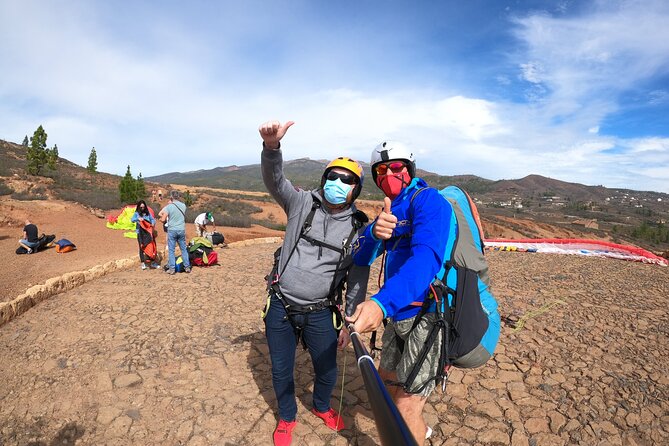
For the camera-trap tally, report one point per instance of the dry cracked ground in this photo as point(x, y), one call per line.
point(138, 357)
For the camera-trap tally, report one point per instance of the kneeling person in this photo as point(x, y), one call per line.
point(30, 238)
point(202, 222)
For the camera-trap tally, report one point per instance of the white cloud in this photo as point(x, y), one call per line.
point(532, 72)
point(184, 98)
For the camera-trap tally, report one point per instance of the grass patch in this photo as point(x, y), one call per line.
point(28, 196)
point(265, 198)
point(271, 224)
point(236, 221)
point(96, 198)
point(232, 207)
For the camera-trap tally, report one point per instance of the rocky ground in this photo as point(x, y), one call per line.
point(140, 357)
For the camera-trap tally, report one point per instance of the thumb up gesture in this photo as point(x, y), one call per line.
point(385, 222)
point(271, 133)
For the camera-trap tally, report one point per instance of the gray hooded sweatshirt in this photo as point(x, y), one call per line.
point(308, 276)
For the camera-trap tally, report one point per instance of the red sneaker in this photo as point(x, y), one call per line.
point(331, 418)
point(283, 434)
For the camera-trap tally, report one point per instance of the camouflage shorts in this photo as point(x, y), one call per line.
point(403, 362)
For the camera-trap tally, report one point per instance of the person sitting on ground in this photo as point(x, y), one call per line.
point(175, 212)
point(142, 213)
point(30, 237)
point(201, 223)
point(310, 270)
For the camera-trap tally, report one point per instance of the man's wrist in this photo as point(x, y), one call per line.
point(374, 237)
point(383, 309)
point(271, 147)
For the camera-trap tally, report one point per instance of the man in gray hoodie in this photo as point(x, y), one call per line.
point(310, 270)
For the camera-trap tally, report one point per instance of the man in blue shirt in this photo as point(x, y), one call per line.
point(413, 230)
point(175, 215)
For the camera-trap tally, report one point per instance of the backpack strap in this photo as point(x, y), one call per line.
point(358, 219)
point(306, 227)
point(182, 212)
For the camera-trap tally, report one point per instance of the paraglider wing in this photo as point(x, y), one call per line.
point(599, 248)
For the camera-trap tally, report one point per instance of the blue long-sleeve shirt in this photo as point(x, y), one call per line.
point(415, 252)
point(135, 219)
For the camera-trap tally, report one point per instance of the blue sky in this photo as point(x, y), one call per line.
point(573, 90)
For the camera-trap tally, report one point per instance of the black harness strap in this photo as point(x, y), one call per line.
point(358, 220)
point(443, 323)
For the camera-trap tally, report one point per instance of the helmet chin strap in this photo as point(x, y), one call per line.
point(392, 191)
point(399, 176)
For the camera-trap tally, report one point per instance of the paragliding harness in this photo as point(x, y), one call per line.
point(334, 299)
point(43, 242)
point(460, 317)
point(201, 252)
point(146, 241)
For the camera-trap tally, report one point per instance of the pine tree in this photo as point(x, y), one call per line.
point(52, 157)
point(127, 189)
point(25, 141)
point(140, 188)
point(188, 198)
point(93, 161)
point(37, 155)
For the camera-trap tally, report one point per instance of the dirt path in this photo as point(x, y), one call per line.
point(142, 358)
point(96, 244)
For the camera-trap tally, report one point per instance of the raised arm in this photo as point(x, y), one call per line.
point(271, 163)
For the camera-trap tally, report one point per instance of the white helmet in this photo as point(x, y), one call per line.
point(393, 150)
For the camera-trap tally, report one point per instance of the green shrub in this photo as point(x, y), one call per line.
point(4, 189)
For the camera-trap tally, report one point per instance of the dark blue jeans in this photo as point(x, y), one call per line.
point(321, 339)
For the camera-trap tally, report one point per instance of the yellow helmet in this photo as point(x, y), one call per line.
point(352, 166)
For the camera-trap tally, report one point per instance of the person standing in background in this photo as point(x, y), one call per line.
point(175, 212)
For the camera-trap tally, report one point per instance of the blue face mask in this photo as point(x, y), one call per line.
point(335, 192)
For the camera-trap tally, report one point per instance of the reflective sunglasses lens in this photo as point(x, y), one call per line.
point(344, 177)
point(396, 167)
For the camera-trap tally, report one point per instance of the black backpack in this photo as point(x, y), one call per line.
point(217, 238)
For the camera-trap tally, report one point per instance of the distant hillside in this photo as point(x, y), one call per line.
point(521, 205)
point(69, 181)
point(620, 214)
point(304, 173)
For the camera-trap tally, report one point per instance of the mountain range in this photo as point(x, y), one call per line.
point(638, 217)
point(306, 173)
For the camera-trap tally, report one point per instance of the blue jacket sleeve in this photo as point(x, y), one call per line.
point(135, 218)
point(430, 225)
point(151, 219)
point(366, 247)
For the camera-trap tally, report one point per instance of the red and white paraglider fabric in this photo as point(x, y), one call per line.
point(584, 247)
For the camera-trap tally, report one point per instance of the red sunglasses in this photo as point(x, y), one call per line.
point(395, 167)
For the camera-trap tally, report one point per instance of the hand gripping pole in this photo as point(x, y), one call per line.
point(389, 422)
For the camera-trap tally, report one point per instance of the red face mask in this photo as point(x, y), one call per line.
point(392, 184)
